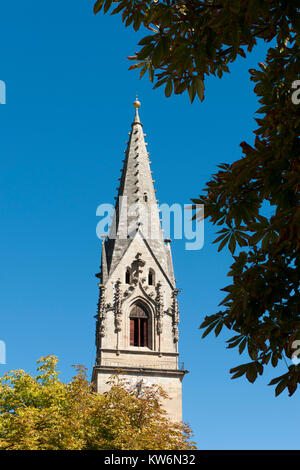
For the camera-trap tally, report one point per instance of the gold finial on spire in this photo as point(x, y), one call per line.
point(137, 103)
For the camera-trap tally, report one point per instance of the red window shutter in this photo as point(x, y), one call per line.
point(131, 332)
point(137, 332)
point(141, 331)
point(145, 332)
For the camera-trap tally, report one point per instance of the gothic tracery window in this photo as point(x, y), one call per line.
point(139, 325)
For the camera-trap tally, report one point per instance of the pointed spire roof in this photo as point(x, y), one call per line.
point(136, 209)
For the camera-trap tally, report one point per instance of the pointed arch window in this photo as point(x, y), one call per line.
point(139, 326)
point(145, 197)
point(128, 276)
point(151, 277)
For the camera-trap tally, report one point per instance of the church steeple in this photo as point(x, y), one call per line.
point(136, 208)
point(138, 315)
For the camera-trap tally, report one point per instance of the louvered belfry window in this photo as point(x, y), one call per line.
point(151, 277)
point(139, 319)
point(127, 276)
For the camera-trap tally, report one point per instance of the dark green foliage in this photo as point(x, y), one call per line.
point(262, 303)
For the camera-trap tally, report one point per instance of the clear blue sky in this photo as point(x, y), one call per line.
point(63, 132)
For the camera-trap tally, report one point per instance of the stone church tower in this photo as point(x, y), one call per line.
point(138, 316)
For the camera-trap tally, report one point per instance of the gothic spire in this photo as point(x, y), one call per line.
point(136, 209)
